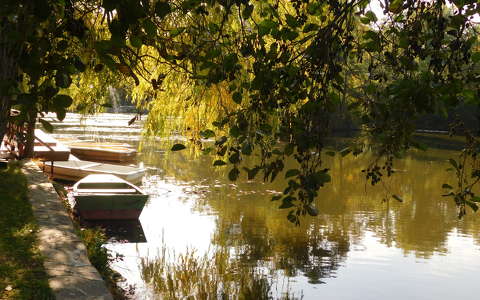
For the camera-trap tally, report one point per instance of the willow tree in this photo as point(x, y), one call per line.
point(280, 68)
point(288, 65)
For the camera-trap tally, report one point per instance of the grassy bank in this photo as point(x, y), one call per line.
point(22, 275)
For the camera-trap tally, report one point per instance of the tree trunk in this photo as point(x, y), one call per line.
point(4, 115)
point(9, 53)
point(30, 134)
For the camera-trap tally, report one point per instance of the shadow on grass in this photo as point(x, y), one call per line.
point(22, 275)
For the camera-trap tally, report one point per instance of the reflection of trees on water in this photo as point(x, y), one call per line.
point(260, 234)
point(296, 251)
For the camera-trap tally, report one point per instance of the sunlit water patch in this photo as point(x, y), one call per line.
point(359, 247)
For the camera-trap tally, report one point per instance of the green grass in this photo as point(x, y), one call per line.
point(22, 275)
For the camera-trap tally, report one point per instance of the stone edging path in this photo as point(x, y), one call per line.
point(71, 275)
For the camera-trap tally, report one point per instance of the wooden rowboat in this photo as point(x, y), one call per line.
point(107, 197)
point(102, 151)
point(75, 170)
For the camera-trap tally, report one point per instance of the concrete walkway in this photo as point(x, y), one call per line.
point(71, 274)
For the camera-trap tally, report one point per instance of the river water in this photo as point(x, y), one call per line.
point(358, 247)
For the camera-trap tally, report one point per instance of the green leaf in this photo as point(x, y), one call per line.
point(475, 199)
point(237, 97)
point(310, 27)
point(98, 67)
point(265, 128)
point(365, 20)
point(371, 35)
point(476, 57)
point(277, 152)
point(291, 21)
point(472, 205)
point(234, 158)
point(453, 163)
point(162, 9)
point(177, 31)
point(46, 125)
point(178, 147)
point(330, 153)
point(150, 28)
point(221, 141)
point(396, 197)
point(207, 150)
point(246, 148)
point(106, 105)
point(476, 173)
point(235, 131)
point(219, 162)
point(222, 151)
point(233, 174)
point(206, 134)
point(213, 27)
point(247, 11)
point(229, 62)
point(289, 149)
point(446, 186)
point(395, 6)
point(287, 202)
point(315, 8)
point(79, 65)
point(252, 173)
point(109, 5)
point(292, 218)
point(276, 197)
point(292, 172)
point(62, 79)
point(63, 101)
point(136, 41)
point(61, 113)
point(371, 16)
point(266, 26)
point(323, 177)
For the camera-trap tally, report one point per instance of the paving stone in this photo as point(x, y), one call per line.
point(71, 275)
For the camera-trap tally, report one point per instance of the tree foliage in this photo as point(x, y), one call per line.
point(276, 72)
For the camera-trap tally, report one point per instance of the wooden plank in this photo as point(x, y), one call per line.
point(45, 138)
point(108, 191)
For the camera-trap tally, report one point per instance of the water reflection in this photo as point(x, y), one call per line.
point(358, 245)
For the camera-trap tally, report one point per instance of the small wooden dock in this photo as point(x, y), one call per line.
point(47, 148)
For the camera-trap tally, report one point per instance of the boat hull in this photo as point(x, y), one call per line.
point(109, 207)
point(118, 214)
point(103, 155)
point(75, 170)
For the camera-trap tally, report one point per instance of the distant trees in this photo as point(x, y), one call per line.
point(279, 70)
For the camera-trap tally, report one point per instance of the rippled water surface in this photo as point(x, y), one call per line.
point(359, 247)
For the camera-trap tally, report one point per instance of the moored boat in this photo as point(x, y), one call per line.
point(111, 152)
point(107, 197)
point(75, 170)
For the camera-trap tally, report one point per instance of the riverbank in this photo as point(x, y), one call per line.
point(22, 275)
point(70, 272)
point(44, 254)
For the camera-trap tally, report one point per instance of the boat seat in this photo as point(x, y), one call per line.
point(107, 191)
